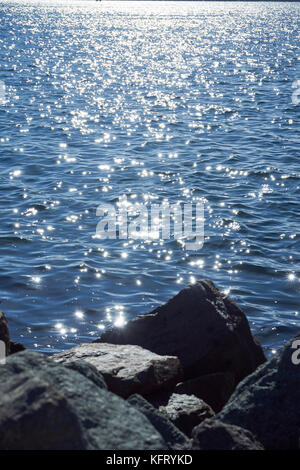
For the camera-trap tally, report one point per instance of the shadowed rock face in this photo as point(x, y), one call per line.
point(127, 369)
point(4, 332)
point(174, 438)
point(267, 402)
point(215, 435)
point(205, 329)
point(45, 405)
point(214, 389)
point(11, 347)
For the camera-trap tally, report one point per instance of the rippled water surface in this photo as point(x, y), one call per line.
point(156, 101)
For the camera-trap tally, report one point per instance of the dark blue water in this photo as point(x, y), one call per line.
point(156, 101)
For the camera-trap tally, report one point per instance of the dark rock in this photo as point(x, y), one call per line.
point(45, 405)
point(215, 435)
point(16, 347)
point(4, 332)
point(174, 438)
point(89, 371)
point(34, 417)
point(159, 398)
point(186, 411)
point(11, 347)
point(204, 328)
point(214, 389)
point(127, 369)
point(267, 402)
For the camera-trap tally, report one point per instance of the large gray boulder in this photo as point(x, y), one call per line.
point(267, 402)
point(203, 327)
point(127, 369)
point(215, 435)
point(47, 406)
point(174, 438)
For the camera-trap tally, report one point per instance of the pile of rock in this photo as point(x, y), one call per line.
point(204, 328)
point(155, 384)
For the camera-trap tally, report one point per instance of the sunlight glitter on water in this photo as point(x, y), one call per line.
point(174, 102)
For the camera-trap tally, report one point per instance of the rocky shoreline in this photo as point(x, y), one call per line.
point(187, 376)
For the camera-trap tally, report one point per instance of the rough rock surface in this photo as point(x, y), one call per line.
point(214, 389)
point(127, 369)
point(215, 435)
point(45, 405)
point(267, 402)
point(204, 328)
point(89, 371)
point(186, 411)
point(174, 438)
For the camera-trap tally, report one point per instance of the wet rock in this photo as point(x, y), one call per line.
point(127, 369)
point(186, 411)
point(45, 405)
point(267, 402)
point(174, 438)
point(214, 389)
point(215, 435)
point(204, 328)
